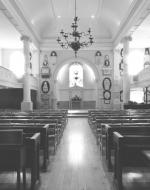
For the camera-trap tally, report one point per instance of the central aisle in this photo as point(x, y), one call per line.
point(77, 164)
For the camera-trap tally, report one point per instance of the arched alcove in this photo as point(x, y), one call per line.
point(66, 93)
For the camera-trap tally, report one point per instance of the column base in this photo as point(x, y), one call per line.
point(26, 106)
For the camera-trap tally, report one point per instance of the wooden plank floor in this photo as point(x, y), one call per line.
point(77, 164)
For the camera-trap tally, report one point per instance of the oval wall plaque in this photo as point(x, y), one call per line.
point(45, 87)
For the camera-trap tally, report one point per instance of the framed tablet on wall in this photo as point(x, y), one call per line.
point(45, 72)
point(45, 87)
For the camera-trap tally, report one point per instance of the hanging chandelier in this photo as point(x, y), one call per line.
point(75, 40)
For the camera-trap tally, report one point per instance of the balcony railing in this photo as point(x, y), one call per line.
point(9, 80)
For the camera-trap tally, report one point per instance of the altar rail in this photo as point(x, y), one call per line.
point(85, 105)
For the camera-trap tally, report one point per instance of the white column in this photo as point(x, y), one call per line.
point(38, 77)
point(54, 98)
point(97, 106)
point(26, 104)
point(126, 80)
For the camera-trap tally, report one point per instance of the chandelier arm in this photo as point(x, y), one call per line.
point(75, 39)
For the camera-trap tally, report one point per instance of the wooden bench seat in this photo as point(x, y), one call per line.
point(29, 128)
point(104, 115)
point(50, 135)
point(21, 156)
point(60, 115)
point(132, 130)
point(32, 144)
point(98, 128)
point(12, 153)
point(128, 153)
point(50, 120)
point(60, 124)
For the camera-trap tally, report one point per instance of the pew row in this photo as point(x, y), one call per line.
point(132, 130)
point(129, 153)
point(19, 152)
point(29, 128)
point(98, 124)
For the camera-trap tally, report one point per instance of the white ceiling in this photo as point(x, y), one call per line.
point(108, 15)
point(42, 17)
point(141, 36)
point(9, 36)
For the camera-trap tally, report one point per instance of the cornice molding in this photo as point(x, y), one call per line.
point(99, 8)
point(16, 16)
point(24, 16)
point(138, 11)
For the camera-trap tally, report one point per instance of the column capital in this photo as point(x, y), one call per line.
point(25, 38)
point(126, 39)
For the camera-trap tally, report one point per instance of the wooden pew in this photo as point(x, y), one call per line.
point(59, 122)
point(13, 153)
point(60, 116)
point(128, 153)
point(107, 115)
point(59, 125)
point(30, 156)
point(99, 125)
point(132, 130)
point(29, 128)
point(104, 127)
point(32, 144)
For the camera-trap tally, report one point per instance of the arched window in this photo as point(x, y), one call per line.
point(17, 63)
point(76, 75)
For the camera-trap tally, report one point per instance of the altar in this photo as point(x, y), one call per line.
point(76, 97)
point(76, 104)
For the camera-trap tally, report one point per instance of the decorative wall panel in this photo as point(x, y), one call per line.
point(45, 76)
point(107, 90)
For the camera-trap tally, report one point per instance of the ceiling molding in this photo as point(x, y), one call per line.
point(138, 10)
point(16, 16)
point(52, 7)
point(99, 8)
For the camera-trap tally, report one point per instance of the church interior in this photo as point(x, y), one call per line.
point(74, 94)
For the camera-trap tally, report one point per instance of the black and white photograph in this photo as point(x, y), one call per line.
point(74, 94)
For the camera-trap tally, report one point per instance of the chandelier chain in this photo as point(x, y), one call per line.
point(75, 40)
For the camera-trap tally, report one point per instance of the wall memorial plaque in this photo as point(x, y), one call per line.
point(45, 87)
point(106, 61)
point(107, 83)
